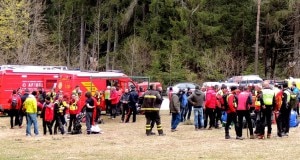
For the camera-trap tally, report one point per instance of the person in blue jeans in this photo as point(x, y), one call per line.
point(30, 107)
point(175, 110)
point(197, 99)
point(183, 105)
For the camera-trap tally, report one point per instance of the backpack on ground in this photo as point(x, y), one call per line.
point(14, 102)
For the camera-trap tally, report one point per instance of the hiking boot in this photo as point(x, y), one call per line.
point(252, 137)
point(279, 134)
point(173, 130)
point(227, 137)
point(285, 134)
point(239, 138)
point(269, 136)
point(162, 134)
point(152, 133)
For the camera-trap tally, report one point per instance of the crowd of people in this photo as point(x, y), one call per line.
point(253, 106)
point(57, 107)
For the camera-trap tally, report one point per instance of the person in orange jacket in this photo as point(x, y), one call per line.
point(231, 112)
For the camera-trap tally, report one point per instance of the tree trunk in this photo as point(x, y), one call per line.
point(115, 45)
point(257, 36)
point(108, 44)
point(81, 60)
point(266, 48)
point(98, 30)
point(296, 37)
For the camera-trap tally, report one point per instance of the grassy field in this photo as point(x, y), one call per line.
point(128, 142)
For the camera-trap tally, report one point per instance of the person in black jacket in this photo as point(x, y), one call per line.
point(124, 102)
point(21, 112)
point(133, 100)
point(89, 103)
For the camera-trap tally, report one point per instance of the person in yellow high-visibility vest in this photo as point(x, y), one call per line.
point(107, 100)
point(268, 103)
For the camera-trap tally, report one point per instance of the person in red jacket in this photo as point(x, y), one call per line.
point(210, 106)
point(231, 112)
point(15, 104)
point(243, 110)
point(47, 115)
point(114, 101)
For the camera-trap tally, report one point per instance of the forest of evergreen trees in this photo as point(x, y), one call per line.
point(168, 40)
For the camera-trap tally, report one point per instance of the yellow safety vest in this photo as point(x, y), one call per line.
point(268, 96)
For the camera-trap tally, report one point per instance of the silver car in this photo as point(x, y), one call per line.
point(184, 85)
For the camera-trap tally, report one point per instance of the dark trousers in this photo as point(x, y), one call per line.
point(13, 113)
point(131, 109)
point(231, 117)
point(153, 116)
point(71, 121)
point(107, 106)
point(183, 111)
point(21, 117)
point(113, 110)
point(58, 124)
point(283, 121)
point(124, 111)
point(47, 124)
point(218, 114)
point(241, 115)
point(118, 109)
point(188, 112)
point(209, 112)
point(266, 115)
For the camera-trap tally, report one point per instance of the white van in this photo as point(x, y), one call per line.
point(246, 79)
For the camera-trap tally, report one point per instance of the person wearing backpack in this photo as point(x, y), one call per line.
point(231, 112)
point(268, 103)
point(284, 113)
point(243, 110)
point(220, 106)
point(294, 96)
point(21, 111)
point(15, 105)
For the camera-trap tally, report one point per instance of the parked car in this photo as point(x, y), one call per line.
point(183, 85)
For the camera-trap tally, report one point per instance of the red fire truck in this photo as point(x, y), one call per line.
point(33, 77)
point(93, 81)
